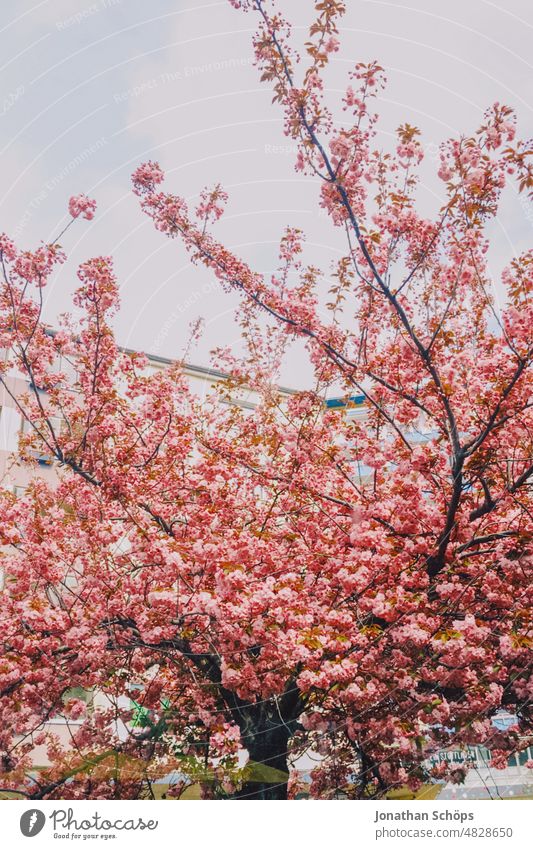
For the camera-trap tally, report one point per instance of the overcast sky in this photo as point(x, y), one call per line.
point(89, 90)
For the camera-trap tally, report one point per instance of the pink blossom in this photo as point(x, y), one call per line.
point(81, 205)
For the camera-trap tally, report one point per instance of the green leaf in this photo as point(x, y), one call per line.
point(264, 774)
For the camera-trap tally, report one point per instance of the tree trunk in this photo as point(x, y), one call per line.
point(267, 748)
point(266, 729)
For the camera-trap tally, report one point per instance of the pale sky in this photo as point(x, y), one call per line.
point(91, 89)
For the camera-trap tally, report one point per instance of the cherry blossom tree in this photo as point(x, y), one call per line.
point(286, 579)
